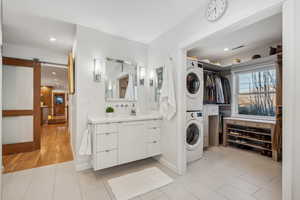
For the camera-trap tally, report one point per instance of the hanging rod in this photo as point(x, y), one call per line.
point(52, 63)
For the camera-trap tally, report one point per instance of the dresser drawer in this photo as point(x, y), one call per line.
point(154, 124)
point(153, 135)
point(153, 148)
point(106, 128)
point(211, 110)
point(107, 141)
point(105, 159)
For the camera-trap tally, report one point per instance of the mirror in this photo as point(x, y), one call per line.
point(121, 80)
point(158, 82)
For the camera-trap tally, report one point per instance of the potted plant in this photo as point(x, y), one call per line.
point(109, 111)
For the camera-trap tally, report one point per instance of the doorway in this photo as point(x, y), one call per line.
point(49, 142)
point(242, 86)
point(21, 112)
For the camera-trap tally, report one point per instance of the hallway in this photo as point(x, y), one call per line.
point(55, 148)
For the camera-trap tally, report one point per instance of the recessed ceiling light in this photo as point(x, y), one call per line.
point(53, 73)
point(52, 39)
point(226, 49)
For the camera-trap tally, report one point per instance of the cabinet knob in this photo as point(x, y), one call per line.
point(154, 142)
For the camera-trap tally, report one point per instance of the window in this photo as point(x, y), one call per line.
point(256, 92)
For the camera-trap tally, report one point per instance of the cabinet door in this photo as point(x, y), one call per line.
point(153, 148)
point(105, 159)
point(132, 142)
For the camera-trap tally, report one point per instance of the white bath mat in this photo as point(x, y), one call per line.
point(138, 183)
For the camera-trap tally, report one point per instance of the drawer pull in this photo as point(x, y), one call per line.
point(154, 142)
point(107, 133)
point(107, 151)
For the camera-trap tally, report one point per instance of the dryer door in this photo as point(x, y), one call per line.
point(193, 83)
point(194, 135)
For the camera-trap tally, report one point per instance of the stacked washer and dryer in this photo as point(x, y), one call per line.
point(194, 115)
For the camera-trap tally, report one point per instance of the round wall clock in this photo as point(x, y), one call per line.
point(216, 9)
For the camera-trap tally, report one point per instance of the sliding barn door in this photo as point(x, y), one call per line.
point(21, 80)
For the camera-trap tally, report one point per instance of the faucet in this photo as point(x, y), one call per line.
point(133, 111)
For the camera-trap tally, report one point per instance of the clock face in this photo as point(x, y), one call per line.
point(216, 9)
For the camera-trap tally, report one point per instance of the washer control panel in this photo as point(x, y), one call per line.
point(194, 114)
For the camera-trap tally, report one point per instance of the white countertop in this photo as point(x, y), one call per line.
point(252, 120)
point(123, 118)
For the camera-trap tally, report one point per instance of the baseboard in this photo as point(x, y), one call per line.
point(83, 166)
point(167, 164)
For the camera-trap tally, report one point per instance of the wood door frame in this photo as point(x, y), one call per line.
point(36, 112)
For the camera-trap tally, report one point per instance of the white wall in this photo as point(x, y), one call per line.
point(291, 99)
point(27, 52)
point(90, 96)
point(172, 43)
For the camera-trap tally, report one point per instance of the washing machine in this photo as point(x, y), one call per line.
point(194, 85)
point(194, 135)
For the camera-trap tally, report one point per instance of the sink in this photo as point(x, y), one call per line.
point(124, 118)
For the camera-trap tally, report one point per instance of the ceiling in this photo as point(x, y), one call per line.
point(27, 30)
point(58, 80)
point(265, 32)
point(138, 20)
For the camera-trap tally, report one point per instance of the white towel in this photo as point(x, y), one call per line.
point(86, 143)
point(129, 95)
point(167, 100)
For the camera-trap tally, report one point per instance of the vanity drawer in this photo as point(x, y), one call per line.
point(107, 141)
point(153, 135)
point(105, 159)
point(106, 128)
point(153, 148)
point(154, 124)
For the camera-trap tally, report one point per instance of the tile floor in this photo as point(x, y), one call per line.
point(223, 174)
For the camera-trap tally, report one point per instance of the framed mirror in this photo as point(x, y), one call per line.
point(158, 82)
point(121, 80)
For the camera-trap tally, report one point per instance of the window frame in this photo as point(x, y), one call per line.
point(235, 90)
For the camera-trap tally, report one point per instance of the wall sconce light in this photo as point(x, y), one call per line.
point(142, 75)
point(99, 69)
point(151, 78)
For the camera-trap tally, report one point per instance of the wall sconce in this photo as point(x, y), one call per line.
point(142, 75)
point(151, 78)
point(99, 69)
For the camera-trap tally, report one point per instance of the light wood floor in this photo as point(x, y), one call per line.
point(55, 148)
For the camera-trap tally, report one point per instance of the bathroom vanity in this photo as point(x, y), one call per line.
point(123, 139)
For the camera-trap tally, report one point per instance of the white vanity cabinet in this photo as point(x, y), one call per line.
point(132, 142)
point(116, 143)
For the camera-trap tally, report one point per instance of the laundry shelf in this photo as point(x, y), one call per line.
point(250, 138)
point(249, 145)
point(253, 135)
point(247, 131)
